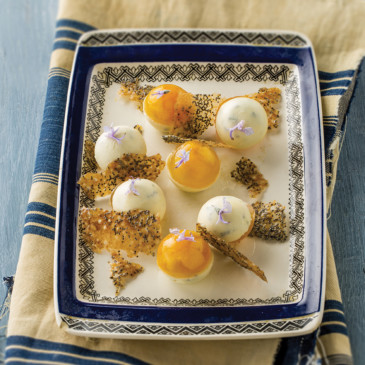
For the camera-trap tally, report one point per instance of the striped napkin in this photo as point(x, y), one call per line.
point(33, 335)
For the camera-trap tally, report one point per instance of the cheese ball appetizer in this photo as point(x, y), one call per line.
point(184, 256)
point(139, 194)
point(227, 217)
point(241, 122)
point(167, 107)
point(116, 141)
point(193, 166)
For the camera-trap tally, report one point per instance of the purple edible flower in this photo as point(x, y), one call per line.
point(240, 126)
point(227, 208)
point(131, 188)
point(110, 131)
point(182, 236)
point(184, 157)
point(160, 93)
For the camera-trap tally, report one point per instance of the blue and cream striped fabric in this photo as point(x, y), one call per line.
point(68, 32)
point(21, 350)
point(40, 219)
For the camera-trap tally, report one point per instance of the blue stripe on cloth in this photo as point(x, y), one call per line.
point(40, 219)
point(333, 304)
point(329, 132)
point(41, 207)
point(59, 71)
point(331, 92)
point(335, 75)
point(49, 149)
point(328, 85)
point(333, 316)
point(71, 46)
point(39, 231)
point(327, 329)
point(68, 34)
point(74, 24)
point(53, 352)
point(46, 179)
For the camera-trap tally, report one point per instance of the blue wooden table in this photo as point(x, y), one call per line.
point(26, 36)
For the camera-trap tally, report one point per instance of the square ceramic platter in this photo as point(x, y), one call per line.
point(231, 302)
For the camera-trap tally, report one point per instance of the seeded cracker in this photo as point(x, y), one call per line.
point(122, 270)
point(268, 98)
point(90, 163)
point(130, 165)
point(181, 140)
point(247, 173)
point(135, 92)
point(134, 231)
point(228, 250)
point(270, 221)
point(202, 114)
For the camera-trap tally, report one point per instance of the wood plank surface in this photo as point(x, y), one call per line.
point(26, 35)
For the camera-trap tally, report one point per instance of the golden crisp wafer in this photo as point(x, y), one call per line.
point(268, 98)
point(198, 117)
point(130, 165)
point(229, 251)
point(122, 270)
point(247, 173)
point(134, 231)
point(181, 140)
point(135, 92)
point(90, 163)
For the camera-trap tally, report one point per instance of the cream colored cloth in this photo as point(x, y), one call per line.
point(336, 31)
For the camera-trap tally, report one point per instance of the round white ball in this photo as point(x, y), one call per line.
point(108, 149)
point(235, 110)
point(239, 219)
point(151, 197)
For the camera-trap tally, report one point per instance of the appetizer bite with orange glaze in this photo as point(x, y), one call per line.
point(184, 256)
point(168, 106)
point(241, 122)
point(117, 141)
point(139, 194)
point(193, 166)
point(227, 217)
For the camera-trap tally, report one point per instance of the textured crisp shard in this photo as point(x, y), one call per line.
point(122, 271)
point(229, 251)
point(135, 92)
point(270, 221)
point(130, 165)
point(202, 113)
point(268, 98)
point(181, 140)
point(90, 163)
point(247, 173)
point(135, 231)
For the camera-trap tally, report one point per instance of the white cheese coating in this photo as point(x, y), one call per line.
point(151, 197)
point(238, 221)
point(108, 149)
point(238, 109)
